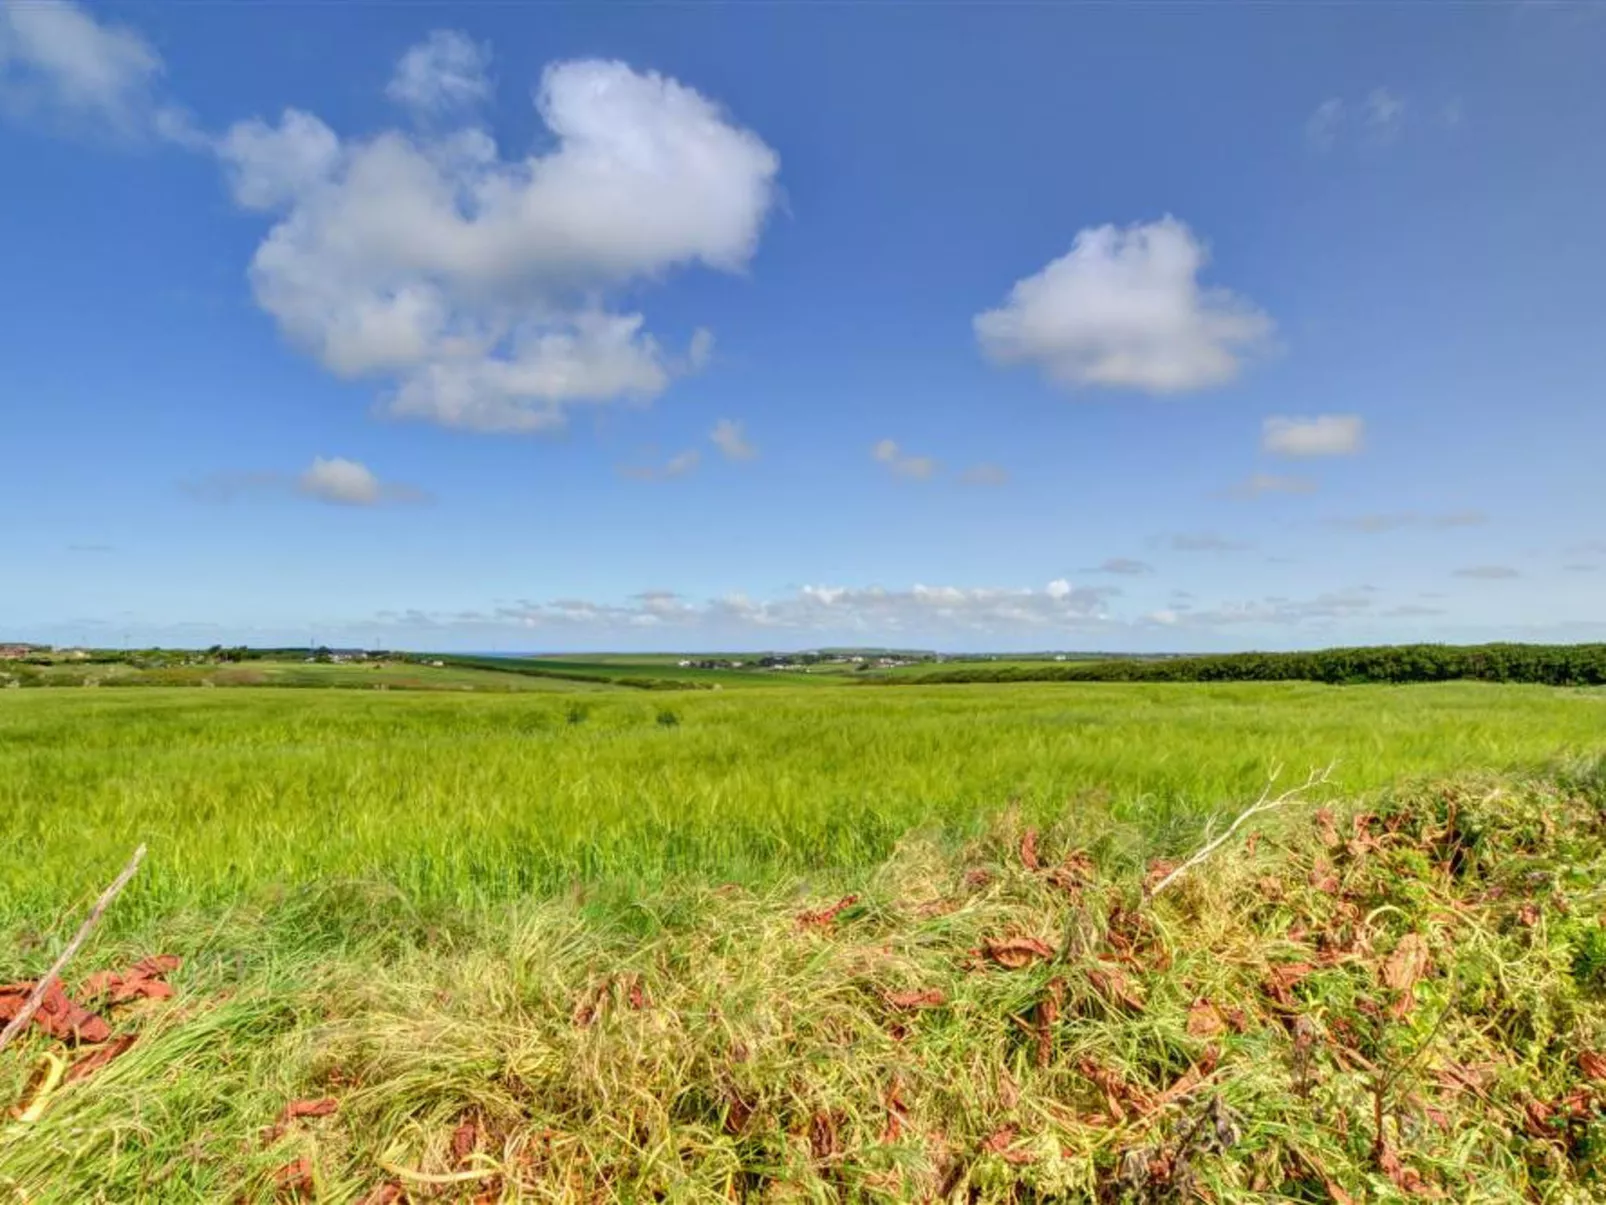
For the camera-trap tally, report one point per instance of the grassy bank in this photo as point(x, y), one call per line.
point(1399, 1003)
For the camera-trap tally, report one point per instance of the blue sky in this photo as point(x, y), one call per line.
point(697, 326)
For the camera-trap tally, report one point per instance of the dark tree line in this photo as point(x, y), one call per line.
point(1546, 664)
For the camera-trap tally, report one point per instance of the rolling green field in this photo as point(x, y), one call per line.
point(576, 947)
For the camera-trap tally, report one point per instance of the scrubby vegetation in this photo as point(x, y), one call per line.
point(1401, 1001)
point(1542, 664)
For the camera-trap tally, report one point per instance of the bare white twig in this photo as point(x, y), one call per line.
point(25, 1015)
point(1264, 804)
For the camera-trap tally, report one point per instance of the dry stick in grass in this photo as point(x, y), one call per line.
point(1263, 804)
point(25, 1015)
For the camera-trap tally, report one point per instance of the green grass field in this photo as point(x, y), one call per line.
point(404, 900)
point(477, 799)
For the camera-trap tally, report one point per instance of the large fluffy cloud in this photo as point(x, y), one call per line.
point(478, 284)
point(1124, 309)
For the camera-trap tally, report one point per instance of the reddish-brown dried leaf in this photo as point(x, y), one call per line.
point(1271, 887)
point(1361, 841)
point(1048, 1015)
point(1407, 1179)
point(388, 1193)
point(1112, 983)
point(12, 997)
point(1528, 915)
point(1013, 953)
point(98, 1058)
point(1281, 979)
point(824, 918)
point(1593, 1064)
point(1120, 1097)
point(1252, 844)
point(1205, 1019)
point(1028, 850)
point(897, 1111)
point(978, 876)
point(931, 997)
point(62, 1017)
point(636, 996)
point(1401, 970)
point(295, 1180)
point(464, 1139)
point(1322, 877)
point(321, 1107)
point(142, 981)
point(738, 1111)
point(824, 1140)
point(1327, 828)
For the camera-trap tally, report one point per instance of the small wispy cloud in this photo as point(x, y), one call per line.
point(1202, 541)
point(985, 474)
point(1258, 484)
point(1376, 524)
point(1314, 435)
point(732, 442)
point(900, 464)
point(681, 465)
point(1385, 110)
point(1488, 573)
point(332, 480)
point(1321, 127)
point(1122, 565)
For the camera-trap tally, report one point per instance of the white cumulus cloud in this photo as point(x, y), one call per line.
point(476, 284)
point(1319, 435)
point(345, 482)
point(61, 67)
point(1124, 309)
point(446, 71)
